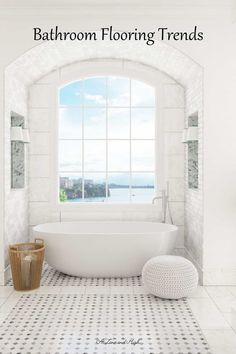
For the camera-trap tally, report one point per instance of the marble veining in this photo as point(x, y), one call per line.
point(193, 164)
point(17, 164)
point(17, 155)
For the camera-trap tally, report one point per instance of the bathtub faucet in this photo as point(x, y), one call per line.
point(164, 198)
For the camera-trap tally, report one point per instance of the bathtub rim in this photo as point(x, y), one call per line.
point(172, 228)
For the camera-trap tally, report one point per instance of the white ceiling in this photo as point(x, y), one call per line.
point(68, 3)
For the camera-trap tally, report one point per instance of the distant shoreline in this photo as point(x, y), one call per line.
point(111, 186)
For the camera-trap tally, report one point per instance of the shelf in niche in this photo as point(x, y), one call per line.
point(190, 134)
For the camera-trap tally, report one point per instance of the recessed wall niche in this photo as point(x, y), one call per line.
point(17, 155)
point(193, 155)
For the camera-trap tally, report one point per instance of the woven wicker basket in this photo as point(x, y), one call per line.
point(26, 264)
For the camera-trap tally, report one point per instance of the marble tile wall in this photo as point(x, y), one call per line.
point(194, 197)
point(41, 60)
point(18, 165)
point(193, 165)
point(16, 200)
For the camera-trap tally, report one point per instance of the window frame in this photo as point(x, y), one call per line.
point(94, 68)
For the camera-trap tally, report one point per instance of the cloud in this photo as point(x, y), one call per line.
point(119, 100)
point(96, 99)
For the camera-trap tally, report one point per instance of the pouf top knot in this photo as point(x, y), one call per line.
point(170, 264)
point(170, 277)
point(168, 259)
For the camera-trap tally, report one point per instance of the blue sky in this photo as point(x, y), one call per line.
point(94, 98)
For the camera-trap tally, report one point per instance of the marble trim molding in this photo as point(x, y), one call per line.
point(213, 276)
point(5, 276)
point(219, 277)
point(197, 265)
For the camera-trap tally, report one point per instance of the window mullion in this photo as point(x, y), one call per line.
point(130, 143)
point(106, 138)
point(83, 140)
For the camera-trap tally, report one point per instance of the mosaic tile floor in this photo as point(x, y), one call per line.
point(100, 324)
point(52, 277)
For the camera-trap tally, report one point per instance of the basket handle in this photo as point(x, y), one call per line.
point(13, 248)
point(39, 240)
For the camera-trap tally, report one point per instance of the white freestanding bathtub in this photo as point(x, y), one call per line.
point(104, 249)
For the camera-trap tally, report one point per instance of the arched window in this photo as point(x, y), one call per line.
point(107, 140)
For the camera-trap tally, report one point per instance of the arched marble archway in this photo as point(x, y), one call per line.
point(46, 57)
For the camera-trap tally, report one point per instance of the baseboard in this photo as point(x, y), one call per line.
point(199, 268)
point(2, 279)
point(7, 274)
point(220, 277)
point(179, 251)
point(185, 253)
point(213, 276)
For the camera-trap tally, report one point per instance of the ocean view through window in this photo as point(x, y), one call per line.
point(106, 141)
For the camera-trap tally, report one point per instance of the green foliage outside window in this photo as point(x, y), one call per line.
point(63, 196)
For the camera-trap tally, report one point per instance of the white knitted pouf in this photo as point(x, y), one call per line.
point(170, 277)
